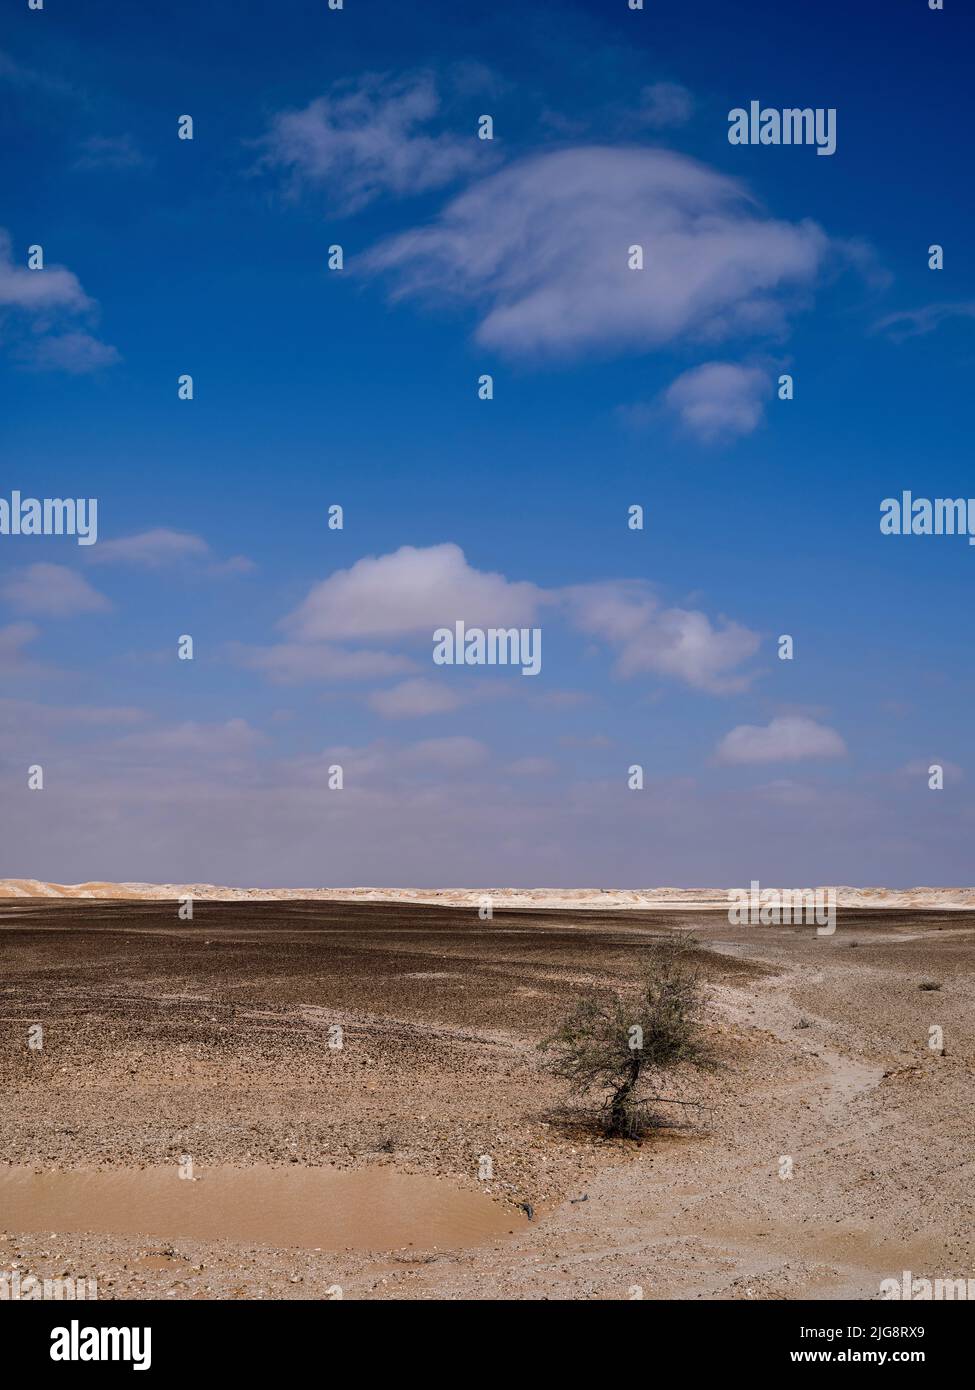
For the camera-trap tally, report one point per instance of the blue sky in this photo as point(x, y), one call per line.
point(612, 387)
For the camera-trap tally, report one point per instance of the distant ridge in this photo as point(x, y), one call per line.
point(571, 899)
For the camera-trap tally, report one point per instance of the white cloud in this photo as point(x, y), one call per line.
point(52, 590)
point(36, 291)
point(162, 548)
point(153, 549)
point(541, 248)
point(787, 739)
point(919, 769)
point(412, 590)
point(291, 663)
point(532, 767)
point(452, 754)
point(665, 104)
point(413, 699)
point(677, 642)
point(719, 401)
point(27, 715)
point(13, 638)
point(912, 323)
point(43, 307)
point(233, 737)
point(111, 152)
point(388, 768)
point(786, 792)
point(18, 75)
point(77, 353)
point(366, 138)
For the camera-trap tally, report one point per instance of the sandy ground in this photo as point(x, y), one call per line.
point(210, 1038)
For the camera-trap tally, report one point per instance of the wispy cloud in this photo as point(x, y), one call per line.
point(294, 663)
point(366, 138)
point(414, 699)
point(114, 153)
point(51, 591)
point(540, 249)
point(163, 549)
point(914, 323)
point(21, 75)
point(13, 638)
point(41, 310)
point(232, 738)
point(77, 353)
point(664, 104)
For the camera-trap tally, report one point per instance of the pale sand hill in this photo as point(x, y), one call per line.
point(572, 899)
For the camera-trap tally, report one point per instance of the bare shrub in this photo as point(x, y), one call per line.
point(626, 1047)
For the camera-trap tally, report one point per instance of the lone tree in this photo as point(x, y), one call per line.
point(619, 1046)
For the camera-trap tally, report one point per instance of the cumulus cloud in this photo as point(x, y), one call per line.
point(399, 599)
point(40, 309)
point(410, 591)
point(367, 138)
point(53, 591)
point(407, 594)
point(665, 104)
point(719, 401)
point(787, 739)
point(648, 637)
point(540, 248)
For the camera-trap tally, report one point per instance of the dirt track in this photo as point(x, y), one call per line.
point(163, 1038)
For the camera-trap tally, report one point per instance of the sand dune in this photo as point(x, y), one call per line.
point(572, 899)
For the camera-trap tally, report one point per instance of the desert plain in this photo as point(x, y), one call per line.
point(340, 1095)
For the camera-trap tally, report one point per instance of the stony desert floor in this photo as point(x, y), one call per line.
point(210, 1038)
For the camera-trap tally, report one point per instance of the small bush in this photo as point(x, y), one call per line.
point(625, 1047)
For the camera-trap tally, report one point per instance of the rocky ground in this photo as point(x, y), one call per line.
point(210, 1037)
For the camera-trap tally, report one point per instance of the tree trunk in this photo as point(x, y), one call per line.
point(619, 1109)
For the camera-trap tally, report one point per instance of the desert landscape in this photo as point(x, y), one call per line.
point(340, 1094)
